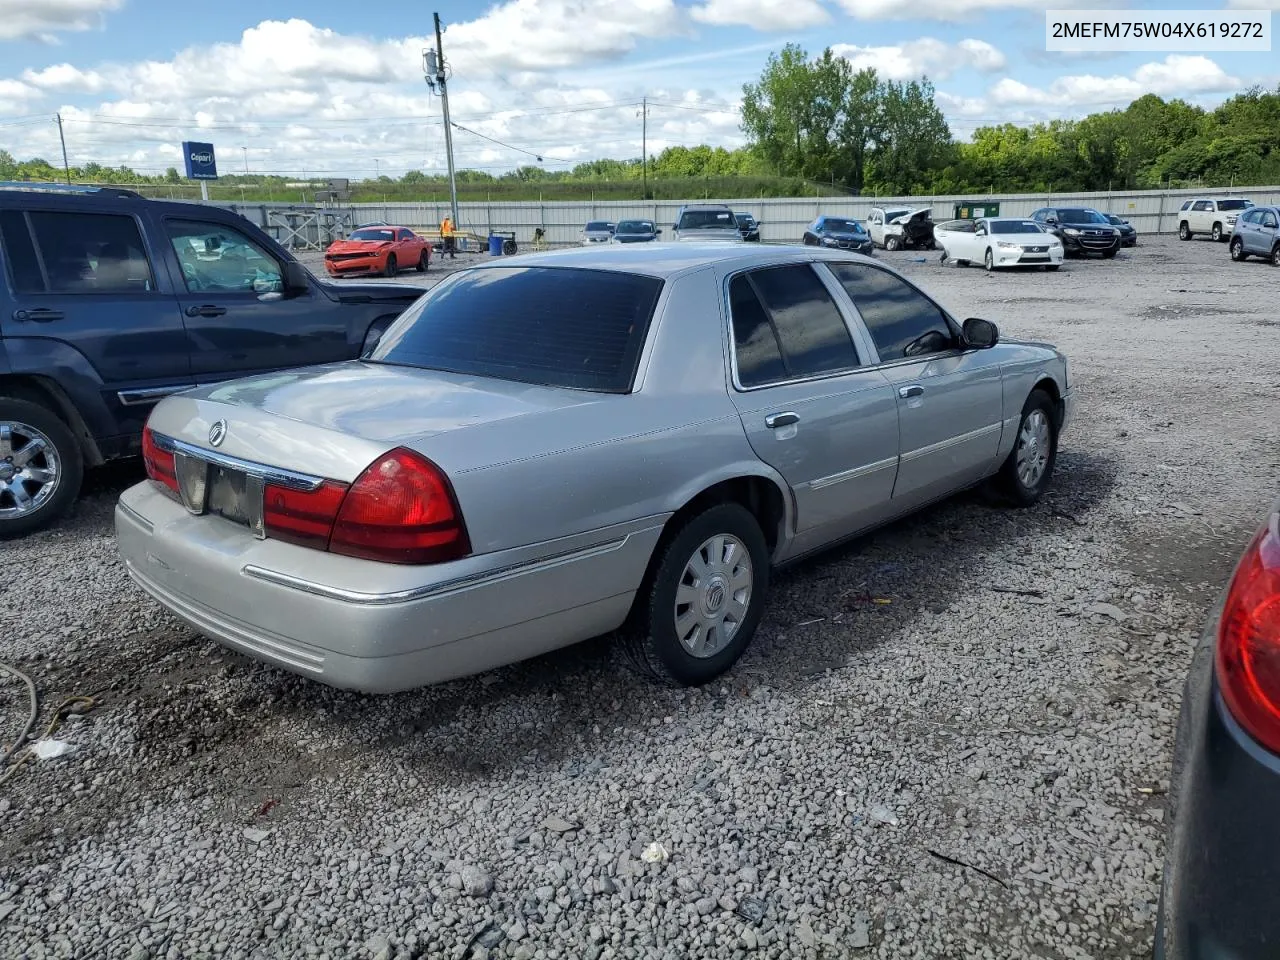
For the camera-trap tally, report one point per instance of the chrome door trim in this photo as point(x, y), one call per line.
point(144, 395)
point(863, 471)
point(952, 441)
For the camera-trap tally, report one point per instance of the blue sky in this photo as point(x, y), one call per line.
point(323, 87)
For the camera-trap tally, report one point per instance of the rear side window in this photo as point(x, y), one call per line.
point(20, 253)
point(558, 327)
point(85, 253)
point(903, 322)
point(786, 325)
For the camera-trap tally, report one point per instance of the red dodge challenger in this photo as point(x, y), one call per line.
point(384, 250)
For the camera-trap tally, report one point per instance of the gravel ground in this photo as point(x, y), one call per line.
point(973, 769)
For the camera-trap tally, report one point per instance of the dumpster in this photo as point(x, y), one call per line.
point(972, 211)
point(495, 245)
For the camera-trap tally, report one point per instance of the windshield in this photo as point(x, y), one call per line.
point(745, 219)
point(835, 225)
point(894, 214)
point(1081, 215)
point(634, 226)
point(706, 219)
point(378, 235)
point(1015, 226)
point(1112, 218)
point(597, 226)
point(1234, 204)
point(552, 326)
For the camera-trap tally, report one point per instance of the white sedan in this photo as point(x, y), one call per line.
point(998, 242)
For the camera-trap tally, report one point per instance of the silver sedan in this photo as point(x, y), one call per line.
point(550, 449)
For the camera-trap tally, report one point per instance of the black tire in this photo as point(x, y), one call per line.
point(1216, 233)
point(509, 248)
point(424, 262)
point(809, 243)
point(1052, 267)
point(1009, 481)
point(988, 261)
point(1237, 251)
point(70, 468)
point(892, 243)
point(962, 263)
point(650, 639)
point(1275, 255)
point(392, 268)
point(1184, 231)
point(943, 259)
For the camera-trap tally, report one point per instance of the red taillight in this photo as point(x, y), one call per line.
point(304, 517)
point(401, 509)
point(159, 463)
point(1248, 660)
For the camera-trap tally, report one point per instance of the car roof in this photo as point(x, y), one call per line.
point(666, 260)
point(717, 207)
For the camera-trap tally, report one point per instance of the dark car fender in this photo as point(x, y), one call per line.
point(385, 302)
point(52, 372)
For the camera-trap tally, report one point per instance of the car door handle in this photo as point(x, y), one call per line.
point(915, 390)
point(38, 315)
point(206, 310)
point(775, 420)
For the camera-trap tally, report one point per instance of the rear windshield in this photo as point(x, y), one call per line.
point(597, 226)
point(1015, 226)
point(634, 226)
point(1234, 204)
point(559, 327)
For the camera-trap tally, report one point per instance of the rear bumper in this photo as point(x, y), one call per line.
point(374, 627)
point(1218, 900)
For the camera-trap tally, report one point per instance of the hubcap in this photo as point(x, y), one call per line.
point(1033, 448)
point(29, 469)
point(714, 595)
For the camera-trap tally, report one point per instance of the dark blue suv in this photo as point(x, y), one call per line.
point(110, 301)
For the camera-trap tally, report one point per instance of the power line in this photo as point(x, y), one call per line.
point(541, 158)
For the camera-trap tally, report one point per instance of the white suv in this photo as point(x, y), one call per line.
point(1214, 217)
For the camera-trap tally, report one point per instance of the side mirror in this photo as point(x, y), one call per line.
point(1051, 220)
point(657, 229)
point(295, 277)
point(980, 333)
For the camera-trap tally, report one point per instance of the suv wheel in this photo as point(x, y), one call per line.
point(1237, 250)
point(40, 467)
point(1275, 255)
point(1184, 231)
point(1216, 233)
point(892, 243)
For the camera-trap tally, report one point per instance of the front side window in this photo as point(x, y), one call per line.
point(557, 327)
point(221, 259)
point(19, 253)
point(406, 234)
point(1269, 220)
point(903, 322)
point(1187, 205)
point(786, 324)
point(91, 253)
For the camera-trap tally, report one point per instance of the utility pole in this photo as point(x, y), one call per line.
point(66, 167)
point(644, 145)
point(437, 76)
point(246, 160)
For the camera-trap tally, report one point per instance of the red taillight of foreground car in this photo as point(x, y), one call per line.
point(159, 463)
point(401, 509)
point(1248, 660)
point(304, 517)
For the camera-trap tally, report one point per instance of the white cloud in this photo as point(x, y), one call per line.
point(42, 19)
point(550, 34)
point(951, 10)
point(762, 14)
point(65, 78)
point(916, 58)
point(1176, 75)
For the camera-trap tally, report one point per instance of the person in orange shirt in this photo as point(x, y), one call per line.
point(447, 236)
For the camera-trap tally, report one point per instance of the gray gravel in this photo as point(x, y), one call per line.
point(974, 768)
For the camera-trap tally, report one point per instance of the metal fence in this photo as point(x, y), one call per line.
point(782, 219)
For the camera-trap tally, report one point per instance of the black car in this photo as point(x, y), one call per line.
point(1128, 235)
point(839, 232)
point(110, 301)
point(1082, 230)
point(1218, 895)
point(748, 226)
point(635, 231)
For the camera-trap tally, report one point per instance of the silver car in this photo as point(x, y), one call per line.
point(594, 439)
point(597, 231)
point(698, 222)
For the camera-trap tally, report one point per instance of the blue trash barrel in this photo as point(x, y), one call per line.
point(495, 245)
